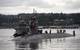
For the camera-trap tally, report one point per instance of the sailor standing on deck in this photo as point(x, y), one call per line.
point(64, 31)
point(50, 31)
point(74, 33)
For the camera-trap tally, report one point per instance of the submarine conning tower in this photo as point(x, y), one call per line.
point(23, 28)
point(33, 25)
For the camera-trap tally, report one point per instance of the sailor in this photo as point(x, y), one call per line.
point(64, 31)
point(60, 31)
point(46, 32)
point(74, 33)
point(57, 31)
point(50, 31)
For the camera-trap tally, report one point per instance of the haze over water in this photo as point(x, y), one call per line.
point(69, 43)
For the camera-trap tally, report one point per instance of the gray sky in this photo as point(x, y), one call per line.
point(42, 6)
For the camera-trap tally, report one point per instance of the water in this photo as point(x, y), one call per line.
point(70, 43)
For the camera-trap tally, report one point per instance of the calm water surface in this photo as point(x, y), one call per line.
point(69, 43)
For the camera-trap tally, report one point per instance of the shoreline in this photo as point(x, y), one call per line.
point(45, 27)
point(39, 28)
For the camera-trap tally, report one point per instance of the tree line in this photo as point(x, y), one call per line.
point(43, 18)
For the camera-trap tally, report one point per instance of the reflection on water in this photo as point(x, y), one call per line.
point(34, 46)
point(70, 43)
point(26, 46)
point(50, 44)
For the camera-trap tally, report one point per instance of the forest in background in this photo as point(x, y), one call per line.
point(43, 18)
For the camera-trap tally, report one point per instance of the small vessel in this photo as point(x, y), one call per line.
point(31, 31)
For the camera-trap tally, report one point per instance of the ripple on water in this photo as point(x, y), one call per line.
point(70, 43)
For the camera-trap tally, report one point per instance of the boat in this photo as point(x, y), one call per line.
point(31, 32)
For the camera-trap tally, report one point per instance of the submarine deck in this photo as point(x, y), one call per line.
point(38, 37)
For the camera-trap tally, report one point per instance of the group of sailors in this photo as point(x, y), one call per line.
point(59, 32)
